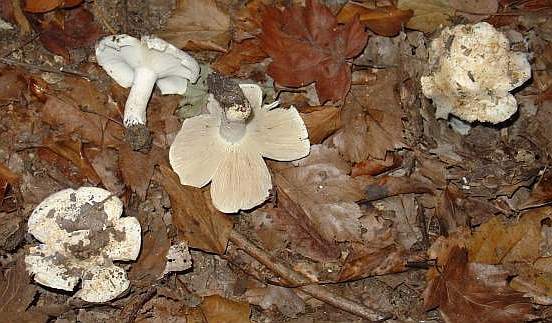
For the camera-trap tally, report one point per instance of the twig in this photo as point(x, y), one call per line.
point(61, 70)
point(319, 292)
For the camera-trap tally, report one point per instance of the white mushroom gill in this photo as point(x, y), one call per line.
point(142, 63)
point(81, 234)
point(473, 72)
point(227, 148)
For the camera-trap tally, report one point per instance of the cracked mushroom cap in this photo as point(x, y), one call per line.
point(240, 178)
point(81, 233)
point(473, 72)
point(121, 55)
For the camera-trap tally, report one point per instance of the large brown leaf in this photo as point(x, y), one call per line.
point(246, 52)
point(321, 122)
point(385, 21)
point(193, 214)
point(373, 119)
point(198, 25)
point(39, 6)
point(468, 292)
point(67, 29)
point(137, 168)
point(308, 45)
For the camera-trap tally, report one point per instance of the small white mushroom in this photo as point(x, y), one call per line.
point(81, 233)
point(141, 64)
point(473, 72)
point(227, 148)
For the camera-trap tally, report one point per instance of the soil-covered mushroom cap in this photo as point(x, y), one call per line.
point(474, 71)
point(229, 151)
point(81, 233)
point(142, 63)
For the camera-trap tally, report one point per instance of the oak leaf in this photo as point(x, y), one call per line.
point(308, 45)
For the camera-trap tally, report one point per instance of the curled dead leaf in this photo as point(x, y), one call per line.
point(385, 21)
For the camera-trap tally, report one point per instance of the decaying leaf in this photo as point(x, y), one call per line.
point(64, 114)
point(284, 299)
point(429, 15)
point(321, 122)
point(40, 6)
point(468, 292)
point(217, 309)
point(374, 119)
point(67, 29)
point(137, 168)
point(308, 45)
point(479, 7)
point(248, 20)
point(198, 25)
point(378, 257)
point(195, 217)
point(386, 186)
point(247, 52)
point(12, 85)
point(151, 263)
point(321, 187)
point(17, 294)
point(385, 21)
point(72, 151)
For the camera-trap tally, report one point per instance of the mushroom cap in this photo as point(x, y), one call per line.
point(474, 70)
point(239, 175)
point(120, 55)
point(79, 230)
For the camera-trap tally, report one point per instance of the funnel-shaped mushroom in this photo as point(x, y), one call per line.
point(141, 64)
point(81, 234)
point(227, 148)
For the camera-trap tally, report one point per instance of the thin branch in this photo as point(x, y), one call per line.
point(319, 292)
point(61, 70)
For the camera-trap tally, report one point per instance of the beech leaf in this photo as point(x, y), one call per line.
point(308, 45)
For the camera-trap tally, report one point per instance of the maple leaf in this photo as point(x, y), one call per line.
point(308, 45)
point(469, 292)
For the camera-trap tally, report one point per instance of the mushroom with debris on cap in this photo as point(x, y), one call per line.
point(474, 71)
point(140, 64)
point(81, 234)
point(227, 147)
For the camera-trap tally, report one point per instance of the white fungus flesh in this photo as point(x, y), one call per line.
point(229, 151)
point(141, 64)
point(81, 233)
point(473, 72)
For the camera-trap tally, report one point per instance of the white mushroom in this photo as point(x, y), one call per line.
point(81, 233)
point(474, 70)
point(227, 148)
point(141, 64)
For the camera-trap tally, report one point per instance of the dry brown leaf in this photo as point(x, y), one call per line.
point(17, 293)
point(64, 114)
point(429, 15)
point(378, 257)
point(282, 298)
point(198, 25)
point(385, 21)
point(221, 310)
point(497, 242)
point(150, 265)
point(308, 45)
point(320, 186)
point(372, 119)
point(467, 292)
point(321, 122)
point(12, 86)
point(479, 7)
point(195, 217)
point(66, 29)
point(375, 167)
point(248, 20)
point(41, 6)
point(72, 151)
point(246, 52)
point(137, 168)
point(541, 193)
point(386, 186)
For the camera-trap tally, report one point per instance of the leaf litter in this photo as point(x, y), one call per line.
point(388, 195)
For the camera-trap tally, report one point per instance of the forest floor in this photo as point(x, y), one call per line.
point(396, 214)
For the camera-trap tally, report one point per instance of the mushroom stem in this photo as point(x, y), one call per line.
point(232, 131)
point(142, 86)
